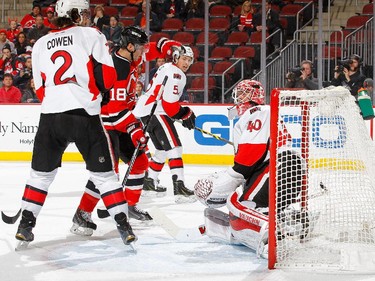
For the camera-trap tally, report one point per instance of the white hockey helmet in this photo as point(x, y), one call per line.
point(64, 8)
point(182, 51)
point(245, 93)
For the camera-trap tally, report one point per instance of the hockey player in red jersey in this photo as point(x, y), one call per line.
point(71, 67)
point(124, 129)
point(161, 127)
point(243, 188)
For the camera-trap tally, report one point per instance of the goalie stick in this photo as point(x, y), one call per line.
point(10, 219)
point(104, 213)
point(178, 233)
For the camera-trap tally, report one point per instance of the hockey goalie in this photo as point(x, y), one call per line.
point(243, 188)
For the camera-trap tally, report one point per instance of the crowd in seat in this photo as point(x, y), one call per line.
point(234, 33)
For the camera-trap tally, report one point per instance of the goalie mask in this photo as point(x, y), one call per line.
point(73, 9)
point(245, 94)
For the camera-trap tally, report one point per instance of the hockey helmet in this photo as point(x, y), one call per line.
point(182, 51)
point(247, 92)
point(72, 8)
point(133, 35)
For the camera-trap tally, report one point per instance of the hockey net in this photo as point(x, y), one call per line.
point(322, 200)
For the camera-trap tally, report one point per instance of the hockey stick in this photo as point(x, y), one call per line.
point(10, 219)
point(210, 134)
point(178, 233)
point(104, 213)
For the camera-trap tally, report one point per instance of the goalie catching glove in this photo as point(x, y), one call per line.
point(136, 133)
point(214, 190)
point(164, 46)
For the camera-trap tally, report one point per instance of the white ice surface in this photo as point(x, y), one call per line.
point(56, 254)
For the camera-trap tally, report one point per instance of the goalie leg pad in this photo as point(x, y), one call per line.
point(217, 226)
point(248, 226)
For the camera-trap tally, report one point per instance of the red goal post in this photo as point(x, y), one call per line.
point(322, 183)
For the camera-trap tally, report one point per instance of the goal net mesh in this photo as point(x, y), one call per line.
point(325, 195)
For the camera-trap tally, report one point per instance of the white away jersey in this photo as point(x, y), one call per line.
point(168, 104)
point(70, 68)
point(251, 135)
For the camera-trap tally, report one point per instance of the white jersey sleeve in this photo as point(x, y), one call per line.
point(168, 104)
point(70, 68)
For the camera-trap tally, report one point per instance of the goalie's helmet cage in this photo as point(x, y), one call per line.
point(133, 35)
point(245, 92)
point(72, 8)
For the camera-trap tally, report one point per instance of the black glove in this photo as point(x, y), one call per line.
point(105, 98)
point(188, 120)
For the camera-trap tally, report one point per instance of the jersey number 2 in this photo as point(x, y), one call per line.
point(57, 79)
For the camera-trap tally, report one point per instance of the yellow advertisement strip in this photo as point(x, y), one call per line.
point(337, 164)
point(196, 159)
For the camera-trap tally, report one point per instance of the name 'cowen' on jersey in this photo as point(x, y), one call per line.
point(60, 41)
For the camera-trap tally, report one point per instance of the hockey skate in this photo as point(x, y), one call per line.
point(138, 214)
point(125, 230)
point(153, 189)
point(24, 233)
point(82, 223)
point(181, 193)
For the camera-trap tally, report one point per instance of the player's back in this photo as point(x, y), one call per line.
point(63, 63)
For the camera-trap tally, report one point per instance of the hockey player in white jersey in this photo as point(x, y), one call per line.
point(161, 128)
point(71, 68)
point(243, 188)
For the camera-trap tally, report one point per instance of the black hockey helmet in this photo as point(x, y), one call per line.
point(134, 35)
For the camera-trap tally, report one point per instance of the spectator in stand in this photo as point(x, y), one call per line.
point(246, 17)
point(113, 31)
point(21, 45)
point(349, 75)
point(9, 62)
point(50, 18)
point(272, 24)
point(136, 3)
point(8, 92)
point(368, 84)
point(44, 3)
point(302, 77)
point(4, 41)
point(29, 93)
point(193, 9)
point(158, 62)
point(173, 8)
point(13, 30)
point(28, 20)
point(38, 31)
point(140, 19)
point(139, 89)
point(25, 74)
point(141, 73)
point(99, 18)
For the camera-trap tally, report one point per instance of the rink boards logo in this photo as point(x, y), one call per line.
point(218, 124)
point(17, 128)
point(320, 131)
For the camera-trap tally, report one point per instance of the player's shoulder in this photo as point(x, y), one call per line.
point(173, 71)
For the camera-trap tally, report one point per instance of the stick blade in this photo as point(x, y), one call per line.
point(102, 214)
point(10, 219)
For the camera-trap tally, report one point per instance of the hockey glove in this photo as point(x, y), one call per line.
point(164, 46)
point(188, 120)
point(136, 133)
